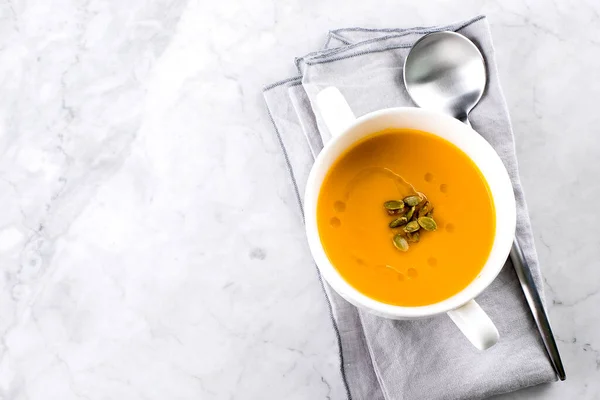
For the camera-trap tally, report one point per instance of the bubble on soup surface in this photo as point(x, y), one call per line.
point(429, 177)
point(339, 206)
point(400, 277)
point(412, 273)
point(432, 261)
point(444, 188)
point(335, 222)
point(450, 228)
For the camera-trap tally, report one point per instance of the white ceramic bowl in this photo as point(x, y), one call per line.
point(346, 131)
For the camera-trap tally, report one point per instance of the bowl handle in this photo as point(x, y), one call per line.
point(334, 110)
point(475, 324)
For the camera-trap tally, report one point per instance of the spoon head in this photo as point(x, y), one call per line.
point(445, 71)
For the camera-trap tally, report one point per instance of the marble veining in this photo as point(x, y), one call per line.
point(150, 243)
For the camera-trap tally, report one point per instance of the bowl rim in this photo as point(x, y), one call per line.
point(484, 157)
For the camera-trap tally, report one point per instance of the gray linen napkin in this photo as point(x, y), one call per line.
point(430, 358)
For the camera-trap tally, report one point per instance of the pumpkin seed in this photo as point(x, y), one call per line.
point(414, 217)
point(398, 222)
point(410, 213)
point(412, 226)
point(393, 205)
point(400, 242)
point(397, 213)
point(427, 223)
point(413, 237)
point(424, 209)
point(412, 200)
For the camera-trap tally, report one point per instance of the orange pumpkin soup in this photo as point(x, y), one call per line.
point(353, 225)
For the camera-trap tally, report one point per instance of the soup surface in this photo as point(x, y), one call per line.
point(353, 225)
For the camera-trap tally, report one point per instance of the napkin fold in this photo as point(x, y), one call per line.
point(429, 358)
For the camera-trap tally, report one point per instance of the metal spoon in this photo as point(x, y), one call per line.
point(446, 72)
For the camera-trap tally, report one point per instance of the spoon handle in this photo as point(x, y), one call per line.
point(532, 295)
point(537, 308)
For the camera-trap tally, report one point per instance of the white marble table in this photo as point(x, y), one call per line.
point(150, 244)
